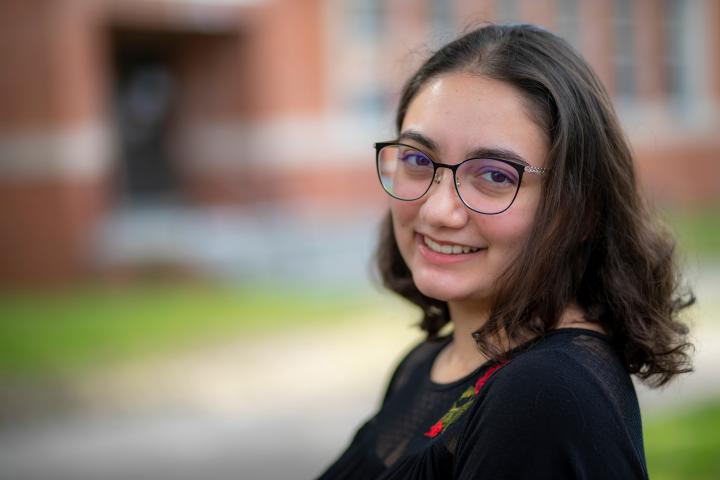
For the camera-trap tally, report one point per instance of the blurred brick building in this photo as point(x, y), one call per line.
point(117, 105)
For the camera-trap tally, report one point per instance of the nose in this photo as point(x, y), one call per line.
point(442, 206)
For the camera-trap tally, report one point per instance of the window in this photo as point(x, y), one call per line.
point(507, 11)
point(624, 54)
point(673, 62)
point(567, 20)
point(441, 21)
point(366, 17)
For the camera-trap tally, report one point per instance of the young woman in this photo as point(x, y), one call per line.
point(515, 217)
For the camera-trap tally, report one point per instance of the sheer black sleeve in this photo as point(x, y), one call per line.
point(544, 417)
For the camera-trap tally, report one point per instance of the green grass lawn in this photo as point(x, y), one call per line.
point(685, 445)
point(50, 334)
point(698, 232)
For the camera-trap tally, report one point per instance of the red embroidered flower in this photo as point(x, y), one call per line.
point(481, 381)
point(463, 403)
point(435, 430)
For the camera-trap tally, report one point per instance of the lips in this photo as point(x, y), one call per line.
point(448, 248)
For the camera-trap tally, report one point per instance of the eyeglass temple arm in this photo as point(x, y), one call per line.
point(536, 170)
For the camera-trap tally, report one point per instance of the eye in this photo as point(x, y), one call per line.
point(497, 176)
point(414, 158)
point(489, 173)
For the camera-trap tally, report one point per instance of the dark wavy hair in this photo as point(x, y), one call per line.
point(594, 241)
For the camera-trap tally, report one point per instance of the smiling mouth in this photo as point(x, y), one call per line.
point(448, 249)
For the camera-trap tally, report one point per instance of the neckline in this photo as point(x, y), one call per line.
point(444, 341)
point(455, 383)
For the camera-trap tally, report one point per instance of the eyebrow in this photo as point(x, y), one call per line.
point(481, 152)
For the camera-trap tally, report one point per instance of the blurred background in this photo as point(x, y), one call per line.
point(188, 209)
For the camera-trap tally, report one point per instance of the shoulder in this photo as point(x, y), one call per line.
point(564, 408)
point(568, 382)
point(546, 382)
point(557, 364)
point(568, 374)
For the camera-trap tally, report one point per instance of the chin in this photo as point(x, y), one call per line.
point(448, 290)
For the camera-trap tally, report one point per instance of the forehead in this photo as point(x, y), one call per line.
point(460, 112)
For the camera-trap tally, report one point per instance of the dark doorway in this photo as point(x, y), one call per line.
point(145, 99)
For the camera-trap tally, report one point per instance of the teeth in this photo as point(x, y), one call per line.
point(448, 249)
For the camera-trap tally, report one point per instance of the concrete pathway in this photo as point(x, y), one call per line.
point(278, 408)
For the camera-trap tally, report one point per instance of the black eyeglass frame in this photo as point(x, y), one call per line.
point(521, 169)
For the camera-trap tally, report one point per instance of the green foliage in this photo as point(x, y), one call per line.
point(685, 444)
point(50, 334)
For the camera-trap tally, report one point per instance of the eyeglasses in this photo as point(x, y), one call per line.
point(484, 185)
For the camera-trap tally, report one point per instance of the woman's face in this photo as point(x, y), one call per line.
point(457, 114)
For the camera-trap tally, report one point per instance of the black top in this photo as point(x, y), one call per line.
point(562, 408)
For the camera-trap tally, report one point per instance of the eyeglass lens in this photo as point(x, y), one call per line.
point(485, 185)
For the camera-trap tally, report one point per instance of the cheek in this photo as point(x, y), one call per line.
point(404, 215)
point(507, 232)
